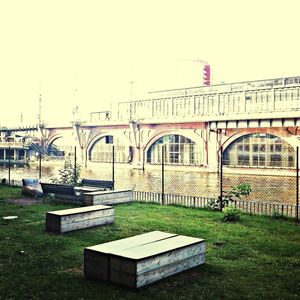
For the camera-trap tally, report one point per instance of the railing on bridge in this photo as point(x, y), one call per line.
point(12, 144)
point(264, 96)
point(207, 103)
point(214, 105)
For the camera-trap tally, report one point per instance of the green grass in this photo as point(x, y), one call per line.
point(256, 258)
point(8, 192)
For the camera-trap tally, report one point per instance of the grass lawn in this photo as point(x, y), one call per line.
point(256, 258)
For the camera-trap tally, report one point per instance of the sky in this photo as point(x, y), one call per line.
point(90, 53)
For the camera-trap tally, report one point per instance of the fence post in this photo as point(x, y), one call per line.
point(221, 178)
point(163, 175)
point(113, 166)
point(75, 163)
point(297, 185)
point(9, 165)
point(40, 164)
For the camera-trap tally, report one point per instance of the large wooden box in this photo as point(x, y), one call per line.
point(108, 197)
point(78, 218)
point(143, 259)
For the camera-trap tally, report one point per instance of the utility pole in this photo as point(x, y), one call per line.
point(40, 110)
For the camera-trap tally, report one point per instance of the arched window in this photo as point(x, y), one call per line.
point(60, 147)
point(260, 150)
point(179, 150)
point(102, 150)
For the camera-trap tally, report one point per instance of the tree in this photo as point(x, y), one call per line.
point(69, 174)
point(230, 196)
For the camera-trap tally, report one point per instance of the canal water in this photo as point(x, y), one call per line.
point(275, 189)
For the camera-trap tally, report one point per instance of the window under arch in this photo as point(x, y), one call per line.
point(60, 147)
point(102, 150)
point(180, 150)
point(260, 150)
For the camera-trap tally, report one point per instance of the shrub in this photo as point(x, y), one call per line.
point(67, 174)
point(231, 214)
point(230, 196)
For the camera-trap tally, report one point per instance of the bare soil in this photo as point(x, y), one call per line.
point(26, 200)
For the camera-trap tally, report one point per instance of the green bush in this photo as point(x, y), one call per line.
point(68, 175)
point(231, 214)
point(230, 196)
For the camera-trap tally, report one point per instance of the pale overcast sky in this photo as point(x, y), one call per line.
point(98, 47)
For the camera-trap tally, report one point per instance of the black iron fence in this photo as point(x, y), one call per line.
point(192, 186)
point(251, 207)
point(272, 190)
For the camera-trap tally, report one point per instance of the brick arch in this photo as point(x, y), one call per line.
point(97, 137)
point(123, 151)
point(268, 156)
point(294, 142)
point(187, 133)
point(54, 138)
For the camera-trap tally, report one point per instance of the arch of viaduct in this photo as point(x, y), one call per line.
point(139, 137)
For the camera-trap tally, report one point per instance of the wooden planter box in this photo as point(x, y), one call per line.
point(108, 197)
point(78, 218)
point(143, 259)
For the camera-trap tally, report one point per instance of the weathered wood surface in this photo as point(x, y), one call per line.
point(86, 189)
point(79, 218)
point(143, 259)
point(139, 280)
point(96, 258)
point(107, 197)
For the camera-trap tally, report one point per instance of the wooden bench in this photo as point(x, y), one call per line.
point(101, 184)
point(77, 218)
point(65, 192)
point(143, 259)
point(107, 197)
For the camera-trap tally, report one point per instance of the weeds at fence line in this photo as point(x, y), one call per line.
point(256, 208)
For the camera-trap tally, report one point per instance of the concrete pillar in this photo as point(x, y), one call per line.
point(212, 151)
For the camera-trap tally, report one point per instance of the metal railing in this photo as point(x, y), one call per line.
point(250, 207)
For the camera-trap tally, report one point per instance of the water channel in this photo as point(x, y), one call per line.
point(266, 188)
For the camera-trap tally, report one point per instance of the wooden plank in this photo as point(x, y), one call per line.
point(87, 215)
point(143, 259)
point(157, 261)
point(96, 264)
point(168, 270)
point(111, 201)
point(79, 218)
point(87, 223)
point(52, 223)
point(107, 192)
point(137, 281)
point(108, 197)
point(130, 242)
point(79, 210)
point(96, 271)
point(87, 189)
point(156, 247)
point(98, 256)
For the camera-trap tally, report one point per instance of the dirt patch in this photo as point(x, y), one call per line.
point(74, 270)
point(25, 201)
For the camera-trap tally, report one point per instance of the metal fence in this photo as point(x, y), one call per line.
point(191, 185)
point(250, 207)
point(274, 185)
